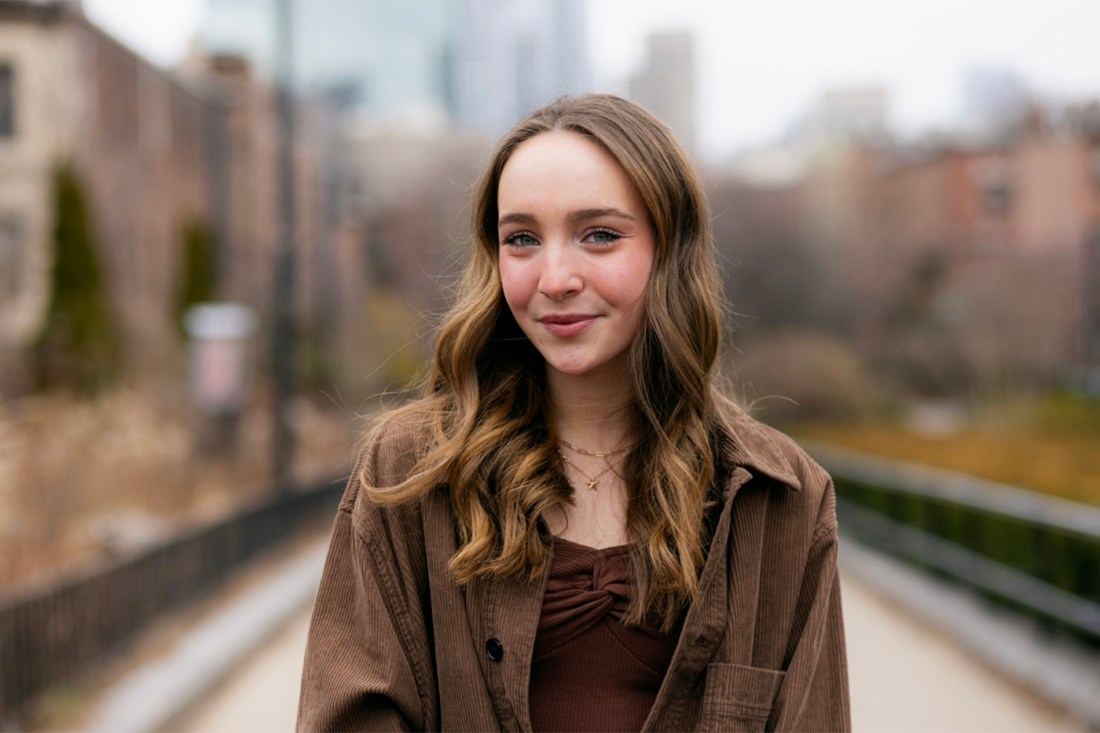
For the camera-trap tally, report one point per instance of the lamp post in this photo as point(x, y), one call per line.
point(219, 369)
point(283, 327)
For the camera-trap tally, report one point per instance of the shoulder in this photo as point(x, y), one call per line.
point(394, 443)
point(745, 441)
point(389, 451)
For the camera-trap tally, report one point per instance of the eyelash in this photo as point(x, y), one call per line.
point(614, 236)
point(511, 239)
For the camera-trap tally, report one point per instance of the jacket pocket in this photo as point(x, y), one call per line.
point(738, 698)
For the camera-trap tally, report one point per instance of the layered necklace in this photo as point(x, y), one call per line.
point(591, 480)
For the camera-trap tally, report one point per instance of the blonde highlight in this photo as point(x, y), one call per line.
point(492, 445)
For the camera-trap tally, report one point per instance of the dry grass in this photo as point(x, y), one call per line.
point(1050, 445)
point(83, 481)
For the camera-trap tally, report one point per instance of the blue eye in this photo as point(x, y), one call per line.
point(520, 239)
point(602, 236)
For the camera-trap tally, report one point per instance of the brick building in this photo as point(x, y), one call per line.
point(137, 139)
point(155, 152)
point(990, 240)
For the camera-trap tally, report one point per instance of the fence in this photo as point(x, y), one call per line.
point(1034, 552)
point(53, 633)
point(1037, 553)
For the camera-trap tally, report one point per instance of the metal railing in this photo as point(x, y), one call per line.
point(1037, 553)
point(51, 634)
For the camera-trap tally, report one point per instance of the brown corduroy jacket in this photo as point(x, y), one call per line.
point(395, 644)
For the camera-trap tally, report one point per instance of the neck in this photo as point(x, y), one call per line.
point(594, 414)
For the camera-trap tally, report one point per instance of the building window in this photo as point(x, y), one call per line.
point(994, 186)
point(11, 256)
point(7, 101)
point(998, 198)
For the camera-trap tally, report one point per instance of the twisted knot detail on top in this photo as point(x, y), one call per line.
point(585, 585)
point(589, 671)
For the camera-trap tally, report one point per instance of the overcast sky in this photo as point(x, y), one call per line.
point(762, 63)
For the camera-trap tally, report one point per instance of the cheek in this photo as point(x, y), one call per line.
point(635, 284)
point(513, 283)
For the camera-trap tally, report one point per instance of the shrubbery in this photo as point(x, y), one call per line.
point(197, 282)
point(78, 347)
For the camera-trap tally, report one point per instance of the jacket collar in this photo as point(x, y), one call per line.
point(745, 442)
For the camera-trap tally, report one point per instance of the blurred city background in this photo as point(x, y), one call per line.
point(227, 228)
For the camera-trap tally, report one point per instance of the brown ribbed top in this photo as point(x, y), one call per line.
point(397, 644)
point(589, 672)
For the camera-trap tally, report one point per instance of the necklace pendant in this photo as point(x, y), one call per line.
point(593, 484)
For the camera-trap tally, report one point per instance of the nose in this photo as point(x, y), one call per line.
point(561, 274)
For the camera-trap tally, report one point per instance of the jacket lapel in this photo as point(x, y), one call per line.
point(704, 627)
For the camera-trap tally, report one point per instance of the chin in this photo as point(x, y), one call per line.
point(583, 368)
point(570, 367)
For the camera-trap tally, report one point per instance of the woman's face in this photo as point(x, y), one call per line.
point(576, 250)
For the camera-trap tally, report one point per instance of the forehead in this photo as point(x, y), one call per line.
point(564, 169)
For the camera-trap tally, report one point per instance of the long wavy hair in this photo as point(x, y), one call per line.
point(493, 444)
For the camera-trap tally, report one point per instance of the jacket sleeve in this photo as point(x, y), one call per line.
point(814, 693)
point(367, 661)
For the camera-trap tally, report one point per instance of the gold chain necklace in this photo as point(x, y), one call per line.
point(593, 482)
point(593, 454)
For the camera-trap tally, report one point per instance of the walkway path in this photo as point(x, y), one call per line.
point(905, 676)
point(263, 695)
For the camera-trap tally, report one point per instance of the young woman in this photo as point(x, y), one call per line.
point(572, 530)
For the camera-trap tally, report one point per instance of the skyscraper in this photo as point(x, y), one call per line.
point(511, 56)
point(476, 64)
point(666, 84)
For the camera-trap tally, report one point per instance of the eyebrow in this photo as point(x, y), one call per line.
point(574, 217)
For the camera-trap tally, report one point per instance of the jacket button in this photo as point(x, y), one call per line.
point(494, 649)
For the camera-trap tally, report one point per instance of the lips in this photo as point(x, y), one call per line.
point(567, 324)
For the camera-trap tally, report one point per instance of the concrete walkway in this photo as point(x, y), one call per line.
point(262, 696)
point(905, 674)
point(904, 677)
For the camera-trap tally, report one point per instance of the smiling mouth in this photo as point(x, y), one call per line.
point(566, 325)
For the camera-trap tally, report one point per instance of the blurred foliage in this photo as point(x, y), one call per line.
point(198, 281)
point(1064, 412)
point(1042, 442)
point(928, 320)
point(78, 347)
point(1045, 443)
point(391, 342)
point(314, 357)
point(803, 375)
point(99, 477)
point(976, 329)
point(777, 272)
